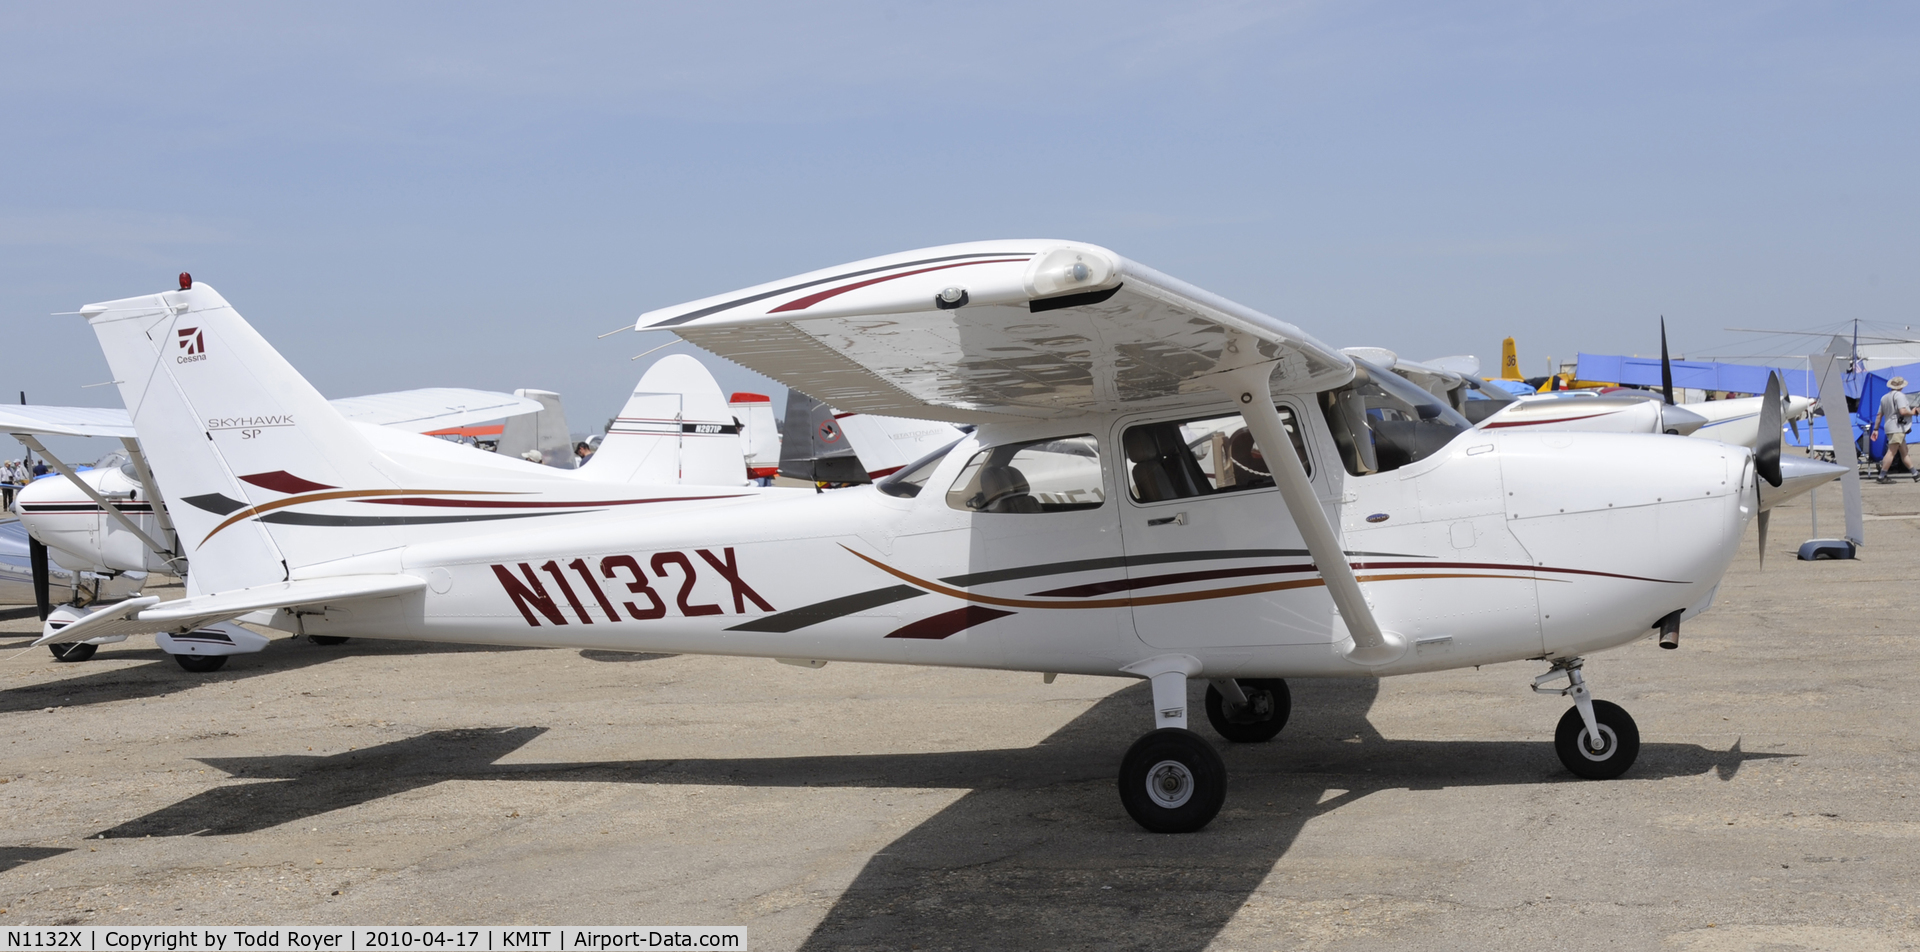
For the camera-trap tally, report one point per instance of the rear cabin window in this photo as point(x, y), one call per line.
point(1056, 475)
point(1178, 459)
point(1382, 422)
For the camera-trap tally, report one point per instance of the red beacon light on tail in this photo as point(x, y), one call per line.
point(186, 281)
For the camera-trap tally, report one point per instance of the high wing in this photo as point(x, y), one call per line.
point(998, 330)
point(433, 408)
point(415, 411)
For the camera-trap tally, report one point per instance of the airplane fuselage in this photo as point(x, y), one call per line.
point(1501, 546)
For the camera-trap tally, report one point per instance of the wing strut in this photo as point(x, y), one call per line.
point(93, 494)
point(1248, 387)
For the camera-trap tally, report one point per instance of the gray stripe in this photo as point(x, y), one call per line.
point(798, 618)
point(1115, 562)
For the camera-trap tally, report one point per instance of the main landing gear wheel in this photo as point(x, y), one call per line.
point(327, 639)
point(80, 651)
point(1619, 742)
point(1172, 781)
point(201, 664)
point(1265, 713)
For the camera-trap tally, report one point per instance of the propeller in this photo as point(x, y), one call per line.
point(1766, 450)
point(42, 577)
point(1666, 365)
point(1766, 454)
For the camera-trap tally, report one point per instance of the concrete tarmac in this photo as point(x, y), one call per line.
point(871, 807)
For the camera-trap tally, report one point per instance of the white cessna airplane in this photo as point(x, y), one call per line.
point(1071, 531)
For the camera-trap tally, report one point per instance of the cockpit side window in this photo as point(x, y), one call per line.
point(1217, 454)
point(1054, 475)
point(1381, 422)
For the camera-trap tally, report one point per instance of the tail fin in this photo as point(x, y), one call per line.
point(676, 428)
point(1509, 361)
point(230, 429)
point(885, 444)
point(813, 448)
point(543, 431)
point(759, 433)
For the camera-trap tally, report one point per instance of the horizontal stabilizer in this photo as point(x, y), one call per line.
point(140, 616)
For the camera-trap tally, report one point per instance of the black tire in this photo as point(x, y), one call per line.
point(201, 664)
point(1269, 703)
point(327, 639)
point(73, 652)
point(1616, 726)
point(1172, 781)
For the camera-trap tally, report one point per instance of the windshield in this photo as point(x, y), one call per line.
point(1381, 422)
point(912, 477)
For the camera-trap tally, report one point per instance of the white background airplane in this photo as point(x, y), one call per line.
point(1071, 532)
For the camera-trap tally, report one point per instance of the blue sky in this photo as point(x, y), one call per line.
point(404, 195)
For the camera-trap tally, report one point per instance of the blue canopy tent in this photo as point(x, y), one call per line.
point(1693, 374)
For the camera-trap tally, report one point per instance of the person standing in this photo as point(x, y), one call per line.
point(11, 478)
point(1893, 419)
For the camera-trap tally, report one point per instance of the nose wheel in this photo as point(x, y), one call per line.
point(1596, 740)
point(1171, 780)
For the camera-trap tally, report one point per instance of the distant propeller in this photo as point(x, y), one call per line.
point(1766, 453)
point(1666, 365)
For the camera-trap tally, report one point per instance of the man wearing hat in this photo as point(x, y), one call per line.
point(1892, 420)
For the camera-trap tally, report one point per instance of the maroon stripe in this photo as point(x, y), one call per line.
point(504, 504)
point(801, 304)
point(947, 623)
point(281, 481)
point(1153, 581)
point(1363, 566)
point(1571, 419)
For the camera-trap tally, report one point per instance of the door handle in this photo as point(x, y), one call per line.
point(1177, 519)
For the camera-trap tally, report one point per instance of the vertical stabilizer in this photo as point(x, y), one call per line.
point(230, 429)
point(759, 433)
point(675, 429)
point(543, 431)
point(1509, 361)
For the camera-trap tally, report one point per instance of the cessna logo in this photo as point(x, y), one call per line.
point(193, 342)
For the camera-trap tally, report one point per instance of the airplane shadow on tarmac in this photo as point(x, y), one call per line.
point(1038, 851)
point(91, 685)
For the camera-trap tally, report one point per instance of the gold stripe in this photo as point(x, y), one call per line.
point(1146, 600)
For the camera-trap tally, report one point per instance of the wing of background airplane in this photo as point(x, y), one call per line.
point(66, 421)
point(998, 330)
point(432, 408)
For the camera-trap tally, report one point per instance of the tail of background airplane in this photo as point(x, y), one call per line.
point(1509, 361)
point(760, 433)
point(676, 428)
point(232, 428)
point(544, 432)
